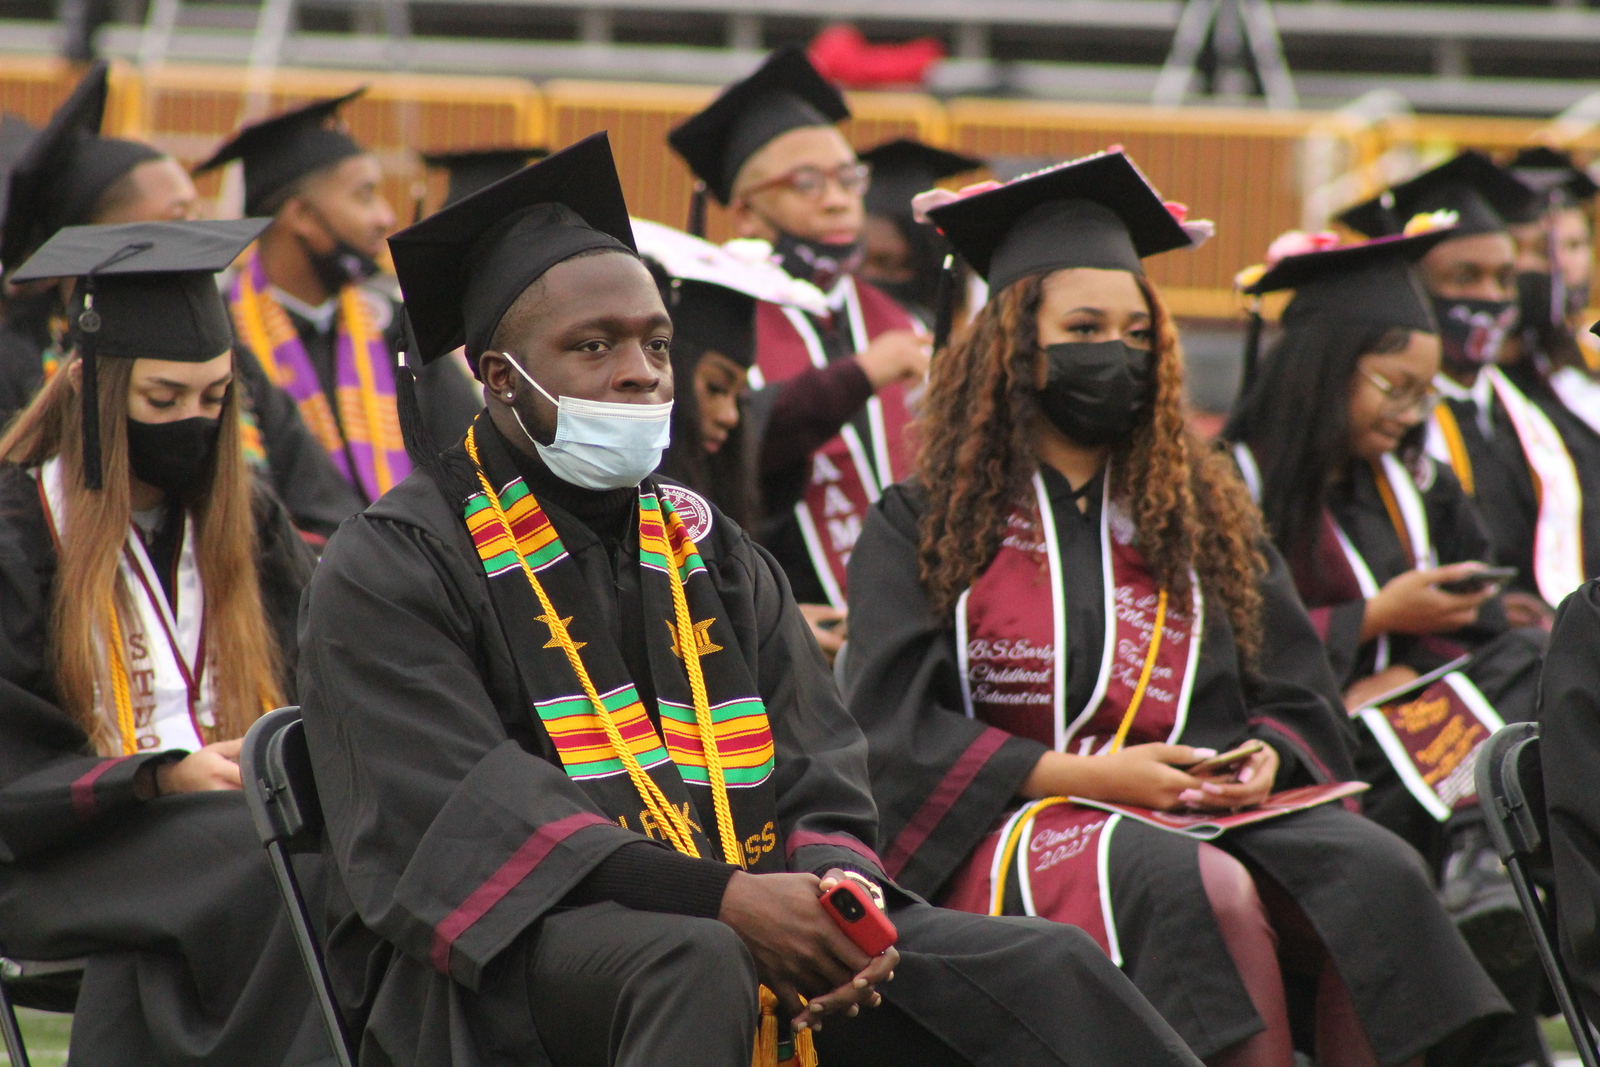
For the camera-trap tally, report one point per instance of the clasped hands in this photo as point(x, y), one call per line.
point(799, 950)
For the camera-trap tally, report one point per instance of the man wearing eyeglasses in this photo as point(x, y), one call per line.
point(832, 393)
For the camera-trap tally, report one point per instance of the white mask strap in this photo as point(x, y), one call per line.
point(529, 378)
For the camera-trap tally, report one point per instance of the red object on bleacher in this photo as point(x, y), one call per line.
point(842, 55)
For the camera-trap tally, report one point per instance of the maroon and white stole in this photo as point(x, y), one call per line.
point(1431, 737)
point(847, 474)
point(1011, 640)
point(173, 701)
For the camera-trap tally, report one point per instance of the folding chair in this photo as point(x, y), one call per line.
point(1510, 782)
point(48, 985)
point(276, 767)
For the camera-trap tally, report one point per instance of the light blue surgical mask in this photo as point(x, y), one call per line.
point(600, 444)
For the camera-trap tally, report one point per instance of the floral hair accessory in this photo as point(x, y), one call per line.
point(1429, 221)
point(923, 203)
point(1299, 243)
point(1249, 276)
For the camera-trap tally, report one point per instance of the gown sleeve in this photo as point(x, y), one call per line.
point(53, 787)
point(1569, 717)
point(1294, 700)
point(451, 837)
point(941, 779)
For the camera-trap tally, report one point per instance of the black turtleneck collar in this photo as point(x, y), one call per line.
point(608, 513)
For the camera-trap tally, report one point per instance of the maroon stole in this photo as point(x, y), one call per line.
point(847, 474)
point(1012, 647)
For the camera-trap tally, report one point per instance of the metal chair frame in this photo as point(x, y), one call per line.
point(1510, 784)
point(282, 794)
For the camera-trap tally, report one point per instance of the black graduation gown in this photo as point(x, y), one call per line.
point(1503, 488)
point(1412, 979)
point(1583, 445)
point(191, 959)
point(435, 774)
point(1569, 721)
point(1505, 664)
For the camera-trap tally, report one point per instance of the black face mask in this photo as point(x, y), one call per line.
point(175, 457)
point(819, 262)
point(1472, 332)
point(1094, 391)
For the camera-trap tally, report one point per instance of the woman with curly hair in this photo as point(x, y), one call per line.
point(1386, 550)
point(1074, 598)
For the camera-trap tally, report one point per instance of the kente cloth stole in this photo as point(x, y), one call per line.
point(673, 758)
point(1558, 529)
point(850, 471)
point(1050, 857)
point(161, 695)
point(369, 453)
point(1432, 737)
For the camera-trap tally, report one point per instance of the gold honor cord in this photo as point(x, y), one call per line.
point(1008, 850)
point(1144, 675)
point(121, 695)
point(1460, 458)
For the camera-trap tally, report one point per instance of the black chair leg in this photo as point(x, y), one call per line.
point(12, 1032)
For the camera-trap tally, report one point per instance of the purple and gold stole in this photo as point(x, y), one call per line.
point(369, 453)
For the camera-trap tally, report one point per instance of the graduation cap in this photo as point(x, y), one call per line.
point(785, 93)
point(903, 168)
point(65, 170)
point(147, 291)
point(279, 151)
point(711, 291)
point(1482, 194)
point(1373, 281)
point(1098, 211)
point(463, 267)
point(16, 135)
point(480, 167)
point(1551, 173)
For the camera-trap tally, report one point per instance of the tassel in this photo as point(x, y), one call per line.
point(1252, 349)
point(413, 431)
point(944, 303)
point(88, 326)
point(697, 211)
point(796, 1050)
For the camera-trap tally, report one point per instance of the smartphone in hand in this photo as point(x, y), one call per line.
point(855, 913)
point(1478, 581)
point(1225, 763)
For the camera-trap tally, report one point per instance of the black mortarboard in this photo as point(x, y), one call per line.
point(786, 93)
point(903, 168)
point(1373, 281)
point(1482, 194)
point(279, 151)
point(15, 136)
point(706, 316)
point(147, 291)
point(480, 167)
point(462, 268)
point(1551, 174)
point(1093, 212)
point(65, 170)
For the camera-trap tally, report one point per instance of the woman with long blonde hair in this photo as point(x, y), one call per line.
point(148, 592)
point(1074, 598)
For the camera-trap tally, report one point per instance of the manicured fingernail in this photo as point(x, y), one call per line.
point(890, 978)
point(1205, 753)
point(800, 1024)
point(814, 1006)
point(860, 983)
point(1189, 796)
point(877, 998)
point(855, 1009)
point(1246, 774)
point(1211, 787)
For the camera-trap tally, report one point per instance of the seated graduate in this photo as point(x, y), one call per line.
point(1505, 451)
point(148, 591)
point(902, 256)
point(1330, 438)
point(309, 300)
point(70, 175)
point(1569, 724)
point(832, 391)
point(583, 768)
point(1075, 598)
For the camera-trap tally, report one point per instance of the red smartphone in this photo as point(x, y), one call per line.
point(855, 913)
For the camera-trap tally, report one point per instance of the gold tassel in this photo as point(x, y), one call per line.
point(766, 1050)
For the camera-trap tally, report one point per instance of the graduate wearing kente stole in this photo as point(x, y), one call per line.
point(1074, 598)
point(582, 764)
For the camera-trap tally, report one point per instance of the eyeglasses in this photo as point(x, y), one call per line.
point(1419, 400)
point(811, 182)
